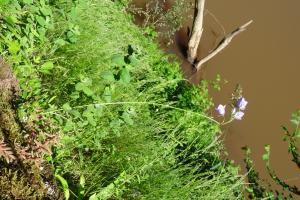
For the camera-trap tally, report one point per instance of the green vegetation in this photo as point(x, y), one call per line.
point(129, 125)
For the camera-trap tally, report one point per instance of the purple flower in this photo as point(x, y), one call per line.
point(242, 103)
point(238, 115)
point(221, 109)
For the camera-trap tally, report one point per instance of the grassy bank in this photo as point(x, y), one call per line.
point(130, 126)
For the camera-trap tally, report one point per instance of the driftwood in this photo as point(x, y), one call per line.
point(197, 34)
point(222, 45)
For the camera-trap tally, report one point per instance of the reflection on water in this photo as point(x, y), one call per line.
point(265, 60)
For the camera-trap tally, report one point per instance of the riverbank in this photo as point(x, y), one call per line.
point(130, 126)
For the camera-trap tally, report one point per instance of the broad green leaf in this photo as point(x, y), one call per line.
point(60, 42)
point(69, 125)
point(90, 117)
point(41, 20)
point(65, 186)
point(47, 67)
point(14, 47)
point(81, 187)
point(265, 157)
point(125, 75)
point(75, 95)
point(91, 120)
point(118, 60)
point(82, 181)
point(133, 60)
point(88, 91)
point(75, 113)
point(66, 107)
point(82, 123)
point(106, 192)
point(46, 11)
point(93, 197)
point(108, 75)
point(12, 20)
point(127, 118)
point(80, 86)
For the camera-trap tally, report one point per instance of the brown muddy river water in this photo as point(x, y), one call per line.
point(265, 60)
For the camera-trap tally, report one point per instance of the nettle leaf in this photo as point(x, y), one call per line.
point(93, 197)
point(115, 124)
point(89, 114)
point(80, 86)
point(125, 75)
point(75, 113)
point(70, 125)
point(12, 20)
point(46, 11)
point(14, 47)
point(75, 95)
point(60, 42)
point(82, 124)
point(106, 192)
point(88, 91)
point(67, 107)
point(46, 68)
point(118, 60)
point(108, 75)
point(133, 60)
point(41, 20)
point(91, 120)
point(84, 87)
point(127, 118)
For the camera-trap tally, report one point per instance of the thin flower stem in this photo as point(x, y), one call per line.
point(228, 122)
point(138, 103)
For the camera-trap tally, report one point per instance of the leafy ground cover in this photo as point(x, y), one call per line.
point(129, 125)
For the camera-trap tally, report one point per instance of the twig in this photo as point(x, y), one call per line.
point(196, 33)
point(223, 44)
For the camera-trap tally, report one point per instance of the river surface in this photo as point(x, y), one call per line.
point(265, 60)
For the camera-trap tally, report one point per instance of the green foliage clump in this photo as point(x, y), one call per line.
point(130, 126)
point(133, 127)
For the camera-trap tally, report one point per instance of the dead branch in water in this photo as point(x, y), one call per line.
point(196, 33)
point(223, 44)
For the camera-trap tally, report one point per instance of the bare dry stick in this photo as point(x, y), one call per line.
point(223, 44)
point(196, 33)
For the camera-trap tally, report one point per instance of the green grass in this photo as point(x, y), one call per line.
point(130, 124)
